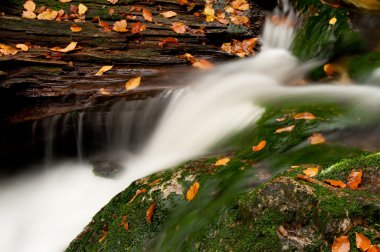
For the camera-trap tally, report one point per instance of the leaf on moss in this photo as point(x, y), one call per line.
point(341, 244)
point(147, 15)
point(311, 172)
point(332, 21)
point(374, 248)
point(222, 161)
point(48, 14)
point(68, 48)
point(82, 9)
point(124, 223)
point(104, 236)
point(149, 213)
point(317, 138)
point(120, 26)
point(132, 83)
point(362, 242)
point(261, 145)
point(103, 69)
point(65, 1)
point(285, 129)
point(304, 116)
point(164, 41)
point(155, 182)
point(336, 183)
point(192, 192)
point(354, 179)
point(75, 28)
point(138, 192)
point(306, 178)
point(178, 27)
point(168, 14)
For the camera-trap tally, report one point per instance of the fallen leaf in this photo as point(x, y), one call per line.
point(105, 26)
point(147, 15)
point(48, 14)
point(221, 18)
point(132, 83)
point(304, 116)
point(282, 231)
point(306, 178)
point(354, 179)
point(239, 20)
point(149, 213)
point(203, 64)
point(362, 242)
point(113, 1)
point(336, 183)
point(281, 119)
point(154, 182)
point(373, 248)
point(138, 192)
point(178, 27)
point(74, 9)
point(29, 6)
point(104, 236)
point(6, 50)
point(333, 21)
point(182, 2)
point(311, 172)
point(341, 244)
point(241, 5)
point(229, 9)
point(65, 1)
point(209, 12)
point(285, 129)
point(168, 14)
point(29, 15)
point(164, 41)
point(240, 48)
point(261, 145)
point(75, 28)
point(222, 161)
point(137, 28)
point(329, 69)
point(192, 192)
point(124, 223)
point(82, 9)
point(111, 11)
point(317, 138)
point(104, 91)
point(103, 69)
point(23, 47)
point(68, 48)
point(120, 26)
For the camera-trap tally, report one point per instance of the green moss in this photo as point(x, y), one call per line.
point(361, 67)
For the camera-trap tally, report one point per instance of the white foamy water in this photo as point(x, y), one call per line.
point(43, 212)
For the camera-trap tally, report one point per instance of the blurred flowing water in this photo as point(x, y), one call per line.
point(44, 210)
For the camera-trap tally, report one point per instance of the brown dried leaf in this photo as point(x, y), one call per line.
point(240, 48)
point(103, 69)
point(304, 116)
point(104, 91)
point(138, 192)
point(239, 20)
point(29, 6)
point(285, 129)
point(132, 83)
point(261, 145)
point(120, 26)
point(149, 213)
point(74, 9)
point(68, 48)
point(147, 15)
point(223, 161)
point(137, 28)
point(178, 27)
point(354, 179)
point(82, 9)
point(311, 172)
point(341, 244)
point(104, 236)
point(336, 183)
point(306, 178)
point(113, 1)
point(164, 41)
point(168, 14)
point(48, 14)
point(241, 5)
point(75, 28)
point(192, 192)
point(105, 26)
point(317, 138)
point(23, 47)
point(362, 242)
point(154, 182)
point(6, 50)
point(111, 11)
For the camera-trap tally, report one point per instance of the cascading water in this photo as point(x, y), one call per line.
point(44, 211)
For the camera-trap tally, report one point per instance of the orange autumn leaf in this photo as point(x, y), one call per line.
point(341, 244)
point(304, 116)
point(182, 2)
point(317, 138)
point(329, 69)
point(311, 172)
point(147, 15)
point(154, 182)
point(164, 41)
point(137, 28)
point(48, 14)
point(336, 183)
point(104, 236)
point(124, 223)
point(120, 26)
point(285, 129)
point(240, 48)
point(149, 213)
point(241, 5)
point(239, 20)
point(192, 192)
point(68, 48)
point(104, 91)
point(261, 145)
point(22, 47)
point(203, 64)
point(306, 178)
point(103, 69)
point(105, 26)
point(374, 248)
point(354, 179)
point(178, 27)
point(132, 83)
point(29, 6)
point(168, 14)
point(7, 50)
point(222, 161)
point(362, 242)
point(138, 192)
point(75, 28)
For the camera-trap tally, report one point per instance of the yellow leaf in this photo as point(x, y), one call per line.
point(133, 83)
point(29, 6)
point(103, 69)
point(48, 14)
point(68, 48)
point(168, 14)
point(28, 14)
point(75, 28)
point(23, 47)
point(65, 1)
point(311, 172)
point(222, 161)
point(260, 146)
point(317, 138)
point(120, 26)
point(333, 21)
point(286, 129)
point(82, 9)
point(192, 192)
point(149, 213)
point(209, 12)
point(341, 244)
point(7, 50)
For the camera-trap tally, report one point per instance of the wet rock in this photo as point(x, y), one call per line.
point(106, 168)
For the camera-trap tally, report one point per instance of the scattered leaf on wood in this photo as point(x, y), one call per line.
point(104, 91)
point(23, 47)
point(304, 116)
point(68, 48)
point(120, 26)
point(164, 41)
point(240, 48)
point(29, 6)
point(333, 21)
point(203, 64)
point(285, 129)
point(75, 28)
point(221, 18)
point(354, 179)
point(48, 14)
point(65, 1)
point(113, 1)
point(261, 145)
point(137, 28)
point(192, 192)
point(138, 192)
point(239, 20)
point(29, 15)
point(6, 50)
point(178, 27)
point(147, 15)
point(341, 244)
point(149, 213)
point(222, 161)
point(168, 14)
point(82, 9)
point(241, 5)
point(103, 69)
point(209, 12)
point(336, 183)
point(74, 9)
point(374, 248)
point(317, 138)
point(132, 83)
point(311, 172)
point(362, 242)
point(105, 26)
point(182, 2)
